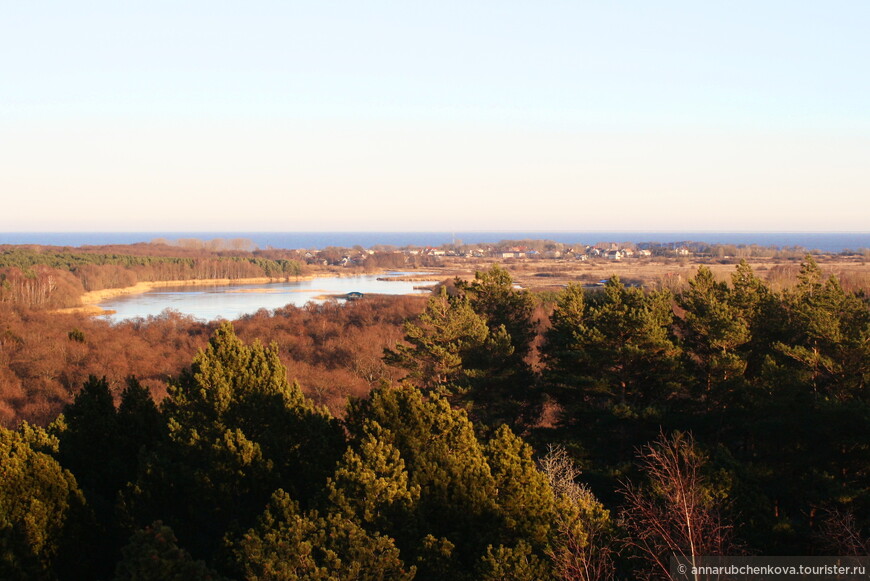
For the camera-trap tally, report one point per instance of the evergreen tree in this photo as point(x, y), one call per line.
point(141, 426)
point(371, 485)
point(465, 497)
point(448, 347)
point(457, 505)
point(517, 563)
point(41, 439)
point(492, 295)
point(98, 448)
point(615, 370)
point(89, 446)
point(563, 349)
point(749, 291)
point(713, 331)
point(830, 335)
point(762, 310)
point(238, 430)
point(41, 512)
point(153, 554)
point(508, 390)
point(525, 499)
point(289, 545)
point(614, 346)
point(233, 386)
point(453, 351)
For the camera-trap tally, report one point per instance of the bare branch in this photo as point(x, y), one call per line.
point(675, 513)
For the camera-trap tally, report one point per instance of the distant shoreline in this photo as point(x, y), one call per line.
point(824, 241)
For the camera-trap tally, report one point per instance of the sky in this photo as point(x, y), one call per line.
point(434, 116)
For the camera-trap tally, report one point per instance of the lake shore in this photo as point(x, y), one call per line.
point(90, 301)
point(98, 296)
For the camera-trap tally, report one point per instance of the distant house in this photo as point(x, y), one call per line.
point(645, 252)
point(682, 251)
point(613, 255)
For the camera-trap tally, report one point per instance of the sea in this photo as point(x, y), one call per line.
point(823, 241)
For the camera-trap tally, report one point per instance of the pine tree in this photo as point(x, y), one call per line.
point(447, 345)
point(492, 295)
point(371, 485)
point(507, 390)
point(289, 545)
point(525, 499)
point(763, 312)
point(457, 507)
point(89, 446)
point(713, 331)
point(517, 563)
point(614, 346)
point(563, 351)
point(453, 351)
point(140, 424)
point(41, 510)
point(463, 502)
point(615, 369)
point(238, 430)
point(829, 332)
point(153, 554)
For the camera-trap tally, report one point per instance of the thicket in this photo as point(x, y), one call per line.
point(729, 418)
point(335, 351)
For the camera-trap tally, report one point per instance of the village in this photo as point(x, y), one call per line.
point(546, 265)
point(533, 250)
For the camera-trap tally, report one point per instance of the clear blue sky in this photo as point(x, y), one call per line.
point(434, 116)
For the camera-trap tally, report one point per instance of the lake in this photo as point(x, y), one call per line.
point(233, 301)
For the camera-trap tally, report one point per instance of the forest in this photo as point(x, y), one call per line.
point(44, 278)
point(485, 433)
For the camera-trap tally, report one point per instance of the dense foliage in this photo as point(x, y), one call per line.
point(334, 351)
point(728, 418)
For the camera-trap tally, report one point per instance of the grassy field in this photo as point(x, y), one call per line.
point(853, 272)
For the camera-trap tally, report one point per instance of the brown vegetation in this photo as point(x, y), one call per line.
point(334, 351)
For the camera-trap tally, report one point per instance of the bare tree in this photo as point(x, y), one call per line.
point(841, 534)
point(583, 550)
point(677, 512)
